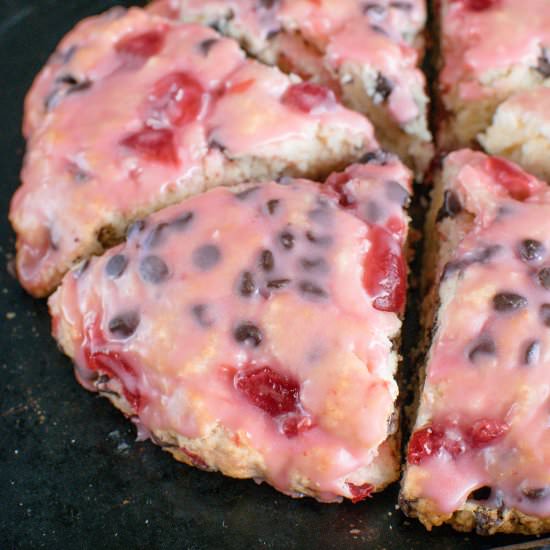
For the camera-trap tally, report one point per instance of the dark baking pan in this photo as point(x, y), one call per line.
point(71, 472)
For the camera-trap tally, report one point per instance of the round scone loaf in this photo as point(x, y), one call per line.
point(252, 329)
point(135, 112)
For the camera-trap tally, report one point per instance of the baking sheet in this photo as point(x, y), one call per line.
point(71, 473)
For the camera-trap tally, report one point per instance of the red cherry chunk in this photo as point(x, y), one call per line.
point(337, 182)
point(295, 424)
point(135, 49)
point(360, 492)
point(423, 444)
point(307, 96)
point(178, 96)
point(518, 184)
point(153, 144)
point(479, 5)
point(270, 391)
point(385, 271)
point(485, 431)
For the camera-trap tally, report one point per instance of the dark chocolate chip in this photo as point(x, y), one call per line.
point(286, 238)
point(451, 206)
point(314, 264)
point(205, 257)
point(246, 284)
point(216, 144)
point(137, 227)
point(243, 195)
point(397, 193)
point(531, 250)
point(383, 87)
point(483, 346)
point(544, 277)
point(483, 493)
point(508, 301)
point(308, 288)
point(67, 79)
point(66, 55)
point(205, 46)
point(543, 63)
point(405, 6)
point(379, 156)
point(80, 86)
point(267, 261)
point(321, 213)
point(272, 205)
point(156, 235)
point(182, 222)
point(272, 33)
point(379, 30)
point(373, 212)
point(153, 269)
point(116, 266)
point(373, 9)
point(532, 352)
point(124, 325)
point(81, 268)
point(267, 4)
point(320, 240)
point(536, 493)
point(277, 283)
point(249, 334)
point(544, 312)
point(478, 256)
point(200, 313)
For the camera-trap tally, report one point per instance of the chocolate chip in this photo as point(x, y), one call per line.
point(543, 63)
point(379, 30)
point(373, 9)
point(277, 283)
point(156, 235)
point(272, 33)
point(308, 288)
point(249, 334)
point(243, 195)
point(373, 212)
point(66, 55)
point(267, 262)
point(205, 46)
point(201, 315)
point(67, 79)
point(246, 284)
point(216, 144)
point(116, 266)
point(81, 268)
point(532, 352)
point(272, 205)
point(267, 4)
point(182, 222)
point(544, 277)
point(531, 250)
point(483, 346)
point(124, 325)
point(205, 257)
point(80, 86)
point(508, 301)
point(320, 240)
point(153, 269)
point(483, 493)
point(314, 264)
point(451, 206)
point(136, 227)
point(286, 238)
point(379, 157)
point(544, 313)
point(479, 255)
point(383, 87)
point(536, 493)
point(397, 193)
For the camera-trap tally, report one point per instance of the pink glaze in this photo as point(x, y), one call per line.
point(493, 409)
point(492, 36)
point(126, 141)
point(340, 32)
point(182, 369)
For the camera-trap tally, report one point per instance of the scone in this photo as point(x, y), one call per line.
point(479, 455)
point(363, 51)
point(489, 50)
point(520, 131)
point(135, 112)
point(253, 329)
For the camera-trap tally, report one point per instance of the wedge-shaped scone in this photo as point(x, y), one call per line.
point(135, 112)
point(490, 49)
point(520, 131)
point(361, 49)
point(479, 455)
point(252, 329)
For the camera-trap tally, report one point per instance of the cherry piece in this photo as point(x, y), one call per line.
point(485, 431)
point(268, 390)
point(307, 96)
point(137, 48)
point(178, 97)
point(153, 144)
point(518, 184)
point(337, 182)
point(360, 492)
point(423, 444)
point(478, 5)
point(385, 271)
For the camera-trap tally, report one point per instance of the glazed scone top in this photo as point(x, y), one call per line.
point(129, 108)
point(269, 311)
point(485, 39)
point(483, 430)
